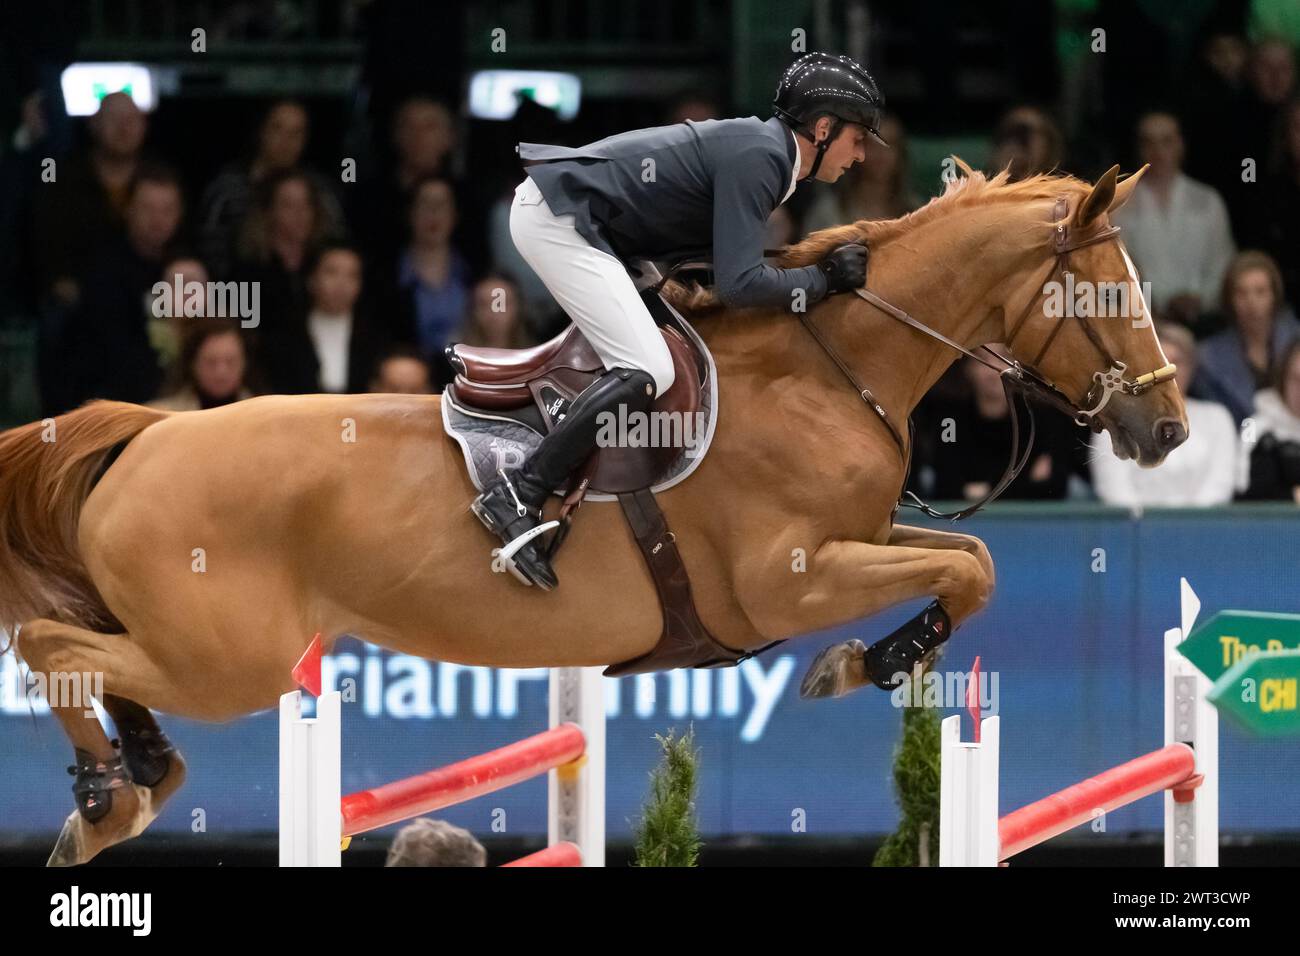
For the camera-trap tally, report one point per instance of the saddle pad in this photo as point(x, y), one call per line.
point(489, 441)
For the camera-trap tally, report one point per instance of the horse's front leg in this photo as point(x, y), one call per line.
point(847, 580)
point(911, 536)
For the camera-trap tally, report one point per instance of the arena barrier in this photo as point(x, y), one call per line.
point(1186, 769)
point(316, 819)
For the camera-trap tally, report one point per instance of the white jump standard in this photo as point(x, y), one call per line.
point(1186, 769)
point(315, 818)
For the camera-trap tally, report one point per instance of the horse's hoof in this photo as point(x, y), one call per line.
point(836, 671)
point(133, 809)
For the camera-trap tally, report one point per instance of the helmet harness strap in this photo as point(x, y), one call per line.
point(836, 125)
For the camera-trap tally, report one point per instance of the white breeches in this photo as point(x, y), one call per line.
point(592, 286)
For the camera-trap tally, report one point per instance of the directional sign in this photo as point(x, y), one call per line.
point(1261, 693)
point(1231, 636)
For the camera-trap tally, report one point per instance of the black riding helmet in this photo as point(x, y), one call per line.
point(818, 84)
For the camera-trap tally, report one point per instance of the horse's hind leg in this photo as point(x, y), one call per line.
point(150, 758)
point(117, 793)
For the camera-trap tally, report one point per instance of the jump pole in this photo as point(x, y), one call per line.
point(464, 780)
point(1186, 769)
point(315, 818)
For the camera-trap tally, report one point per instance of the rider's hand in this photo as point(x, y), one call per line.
point(845, 268)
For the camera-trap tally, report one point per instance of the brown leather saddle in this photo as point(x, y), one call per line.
point(549, 376)
point(533, 386)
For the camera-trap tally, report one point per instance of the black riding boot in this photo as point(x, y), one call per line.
point(511, 503)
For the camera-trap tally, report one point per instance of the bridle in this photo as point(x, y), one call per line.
point(1017, 378)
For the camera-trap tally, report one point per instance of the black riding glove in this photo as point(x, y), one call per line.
point(845, 268)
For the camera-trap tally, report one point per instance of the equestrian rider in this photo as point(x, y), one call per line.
point(580, 214)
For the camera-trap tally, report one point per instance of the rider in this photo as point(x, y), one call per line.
point(581, 213)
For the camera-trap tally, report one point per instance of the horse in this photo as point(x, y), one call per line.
point(189, 557)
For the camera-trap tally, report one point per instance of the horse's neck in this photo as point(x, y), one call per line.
point(951, 292)
point(948, 275)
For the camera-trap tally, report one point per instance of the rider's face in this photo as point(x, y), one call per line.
point(846, 149)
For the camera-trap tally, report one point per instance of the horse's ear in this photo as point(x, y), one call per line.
point(1124, 189)
point(1097, 201)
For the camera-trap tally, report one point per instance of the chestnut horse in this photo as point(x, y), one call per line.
point(193, 568)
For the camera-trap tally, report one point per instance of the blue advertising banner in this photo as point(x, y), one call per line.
point(1071, 642)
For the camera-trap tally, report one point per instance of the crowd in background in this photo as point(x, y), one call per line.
point(1221, 254)
point(359, 286)
point(363, 282)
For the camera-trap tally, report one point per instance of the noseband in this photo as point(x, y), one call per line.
point(1017, 378)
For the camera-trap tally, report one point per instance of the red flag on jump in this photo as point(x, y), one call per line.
point(307, 671)
point(973, 697)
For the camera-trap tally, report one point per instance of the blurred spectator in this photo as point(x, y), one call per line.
point(284, 229)
point(281, 139)
point(426, 842)
point(1212, 116)
point(210, 367)
point(106, 347)
point(432, 277)
point(694, 106)
point(1226, 54)
point(1028, 141)
point(82, 210)
point(1200, 472)
point(1176, 228)
point(423, 140)
point(1271, 82)
point(335, 345)
point(876, 188)
point(1272, 71)
point(167, 331)
point(496, 318)
point(424, 133)
point(1274, 222)
point(402, 372)
point(1273, 457)
point(971, 442)
point(1237, 362)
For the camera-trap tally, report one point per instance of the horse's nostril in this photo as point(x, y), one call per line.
point(1169, 433)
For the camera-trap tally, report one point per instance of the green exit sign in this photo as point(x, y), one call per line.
point(1230, 637)
point(1261, 693)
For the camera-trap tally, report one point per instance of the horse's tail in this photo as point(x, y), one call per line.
point(47, 470)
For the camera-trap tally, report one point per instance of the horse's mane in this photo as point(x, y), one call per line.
point(972, 189)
